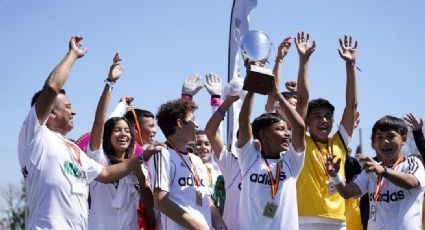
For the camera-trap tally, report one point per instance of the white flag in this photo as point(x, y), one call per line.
point(239, 26)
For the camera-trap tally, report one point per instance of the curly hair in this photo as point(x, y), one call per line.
point(170, 112)
point(107, 145)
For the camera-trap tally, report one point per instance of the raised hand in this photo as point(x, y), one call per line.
point(116, 70)
point(291, 86)
point(234, 88)
point(413, 122)
point(332, 166)
point(213, 84)
point(304, 48)
point(283, 48)
point(192, 85)
point(369, 165)
point(348, 49)
point(127, 100)
point(75, 46)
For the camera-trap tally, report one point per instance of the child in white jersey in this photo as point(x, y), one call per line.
point(179, 178)
point(395, 186)
point(268, 195)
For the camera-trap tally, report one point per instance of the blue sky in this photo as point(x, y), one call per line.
point(163, 42)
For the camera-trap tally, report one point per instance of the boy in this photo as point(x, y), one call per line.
point(395, 186)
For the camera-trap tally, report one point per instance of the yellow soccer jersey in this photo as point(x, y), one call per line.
point(313, 196)
point(352, 211)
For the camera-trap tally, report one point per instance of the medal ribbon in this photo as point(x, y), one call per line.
point(136, 122)
point(379, 185)
point(193, 172)
point(275, 181)
point(328, 154)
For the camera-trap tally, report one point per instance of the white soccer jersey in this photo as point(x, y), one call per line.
point(169, 173)
point(113, 206)
point(396, 208)
point(229, 166)
point(57, 180)
point(256, 189)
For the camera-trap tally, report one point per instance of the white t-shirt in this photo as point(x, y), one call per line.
point(396, 208)
point(113, 207)
point(256, 189)
point(229, 167)
point(57, 184)
point(169, 173)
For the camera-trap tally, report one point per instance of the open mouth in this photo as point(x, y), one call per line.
point(387, 151)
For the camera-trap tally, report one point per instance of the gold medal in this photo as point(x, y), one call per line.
point(331, 188)
point(270, 210)
point(198, 198)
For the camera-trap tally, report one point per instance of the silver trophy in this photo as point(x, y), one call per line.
point(256, 47)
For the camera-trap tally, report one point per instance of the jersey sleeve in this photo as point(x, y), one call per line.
point(98, 155)
point(159, 167)
point(362, 181)
point(226, 162)
point(93, 168)
point(416, 168)
point(247, 154)
point(344, 135)
point(31, 132)
point(296, 159)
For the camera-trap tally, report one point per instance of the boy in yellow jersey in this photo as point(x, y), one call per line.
point(319, 204)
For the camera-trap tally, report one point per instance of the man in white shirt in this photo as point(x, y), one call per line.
point(268, 196)
point(179, 178)
point(57, 172)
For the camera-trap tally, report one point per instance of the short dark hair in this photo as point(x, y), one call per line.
point(288, 95)
point(200, 132)
point(319, 103)
point(264, 121)
point(389, 123)
point(37, 95)
point(140, 113)
point(170, 112)
point(107, 145)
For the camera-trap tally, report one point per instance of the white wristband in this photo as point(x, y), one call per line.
point(336, 179)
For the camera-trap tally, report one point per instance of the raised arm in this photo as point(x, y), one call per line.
point(191, 86)
point(115, 72)
point(418, 135)
point(57, 79)
point(281, 53)
point(245, 131)
point(348, 54)
point(305, 49)
point(214, 123)
point(297, 123)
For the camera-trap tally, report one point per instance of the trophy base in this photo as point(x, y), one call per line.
point(259, 80)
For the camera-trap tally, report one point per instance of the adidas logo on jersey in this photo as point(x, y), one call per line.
point(387, 197)
point(188, 181)
point(264, 178)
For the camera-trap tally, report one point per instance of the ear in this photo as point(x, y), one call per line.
point(261, 134)
point(52, 114)
point(404, 139)
point(179, 123)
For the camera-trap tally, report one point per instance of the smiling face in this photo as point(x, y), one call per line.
point(388, 145)
point(276, 138)
point(120, 136)
point(320, 121)
point(60, 118)
point(148, 130)
point(203, 147)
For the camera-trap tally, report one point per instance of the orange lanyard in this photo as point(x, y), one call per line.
point(70, 146)
point(379, 185)
point(193, 172)
point(136, 122)
point(275, 181)
point(328, 154)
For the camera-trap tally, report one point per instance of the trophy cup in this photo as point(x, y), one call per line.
point(256, 47)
